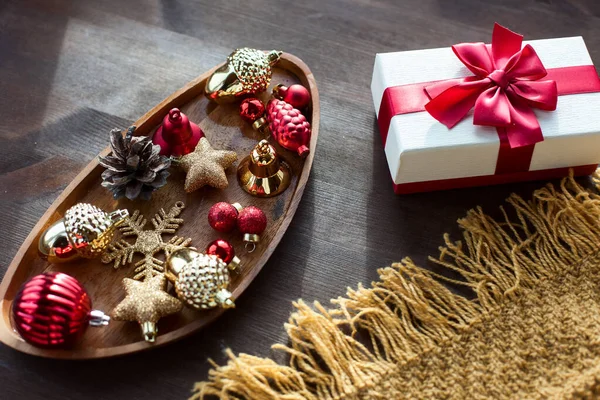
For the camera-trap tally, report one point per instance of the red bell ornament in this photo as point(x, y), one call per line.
point(177, 136)
point(224, 250)
point(222, 216)
point(289, 126)
point(252, 222)
point(53, 310)
point(296, 95)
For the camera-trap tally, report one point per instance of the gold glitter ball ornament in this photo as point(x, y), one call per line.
point(247, 71)
point(85, 232)
point(146, 302)
point(201, 281)
point(206, 166)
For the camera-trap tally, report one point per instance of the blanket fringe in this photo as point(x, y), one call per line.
point(411, 310)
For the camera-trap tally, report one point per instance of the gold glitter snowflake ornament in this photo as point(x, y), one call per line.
point(148, 242)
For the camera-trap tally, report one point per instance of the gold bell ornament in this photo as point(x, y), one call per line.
point(201, 281)
point(84, 232)
point(262, 173)
point(247, 71)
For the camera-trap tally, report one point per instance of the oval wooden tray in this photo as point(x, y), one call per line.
point(225, 130)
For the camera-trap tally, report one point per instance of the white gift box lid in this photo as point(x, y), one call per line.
point(419, 148)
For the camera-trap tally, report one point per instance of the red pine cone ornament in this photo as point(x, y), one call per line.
point(289, 126)
point(53, 310)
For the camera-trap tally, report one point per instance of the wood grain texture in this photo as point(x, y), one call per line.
point(72, 70)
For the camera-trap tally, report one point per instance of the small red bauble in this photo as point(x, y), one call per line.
point(251, 109)
point(224, 250)
point(223, 216)
point(289, 126)
point(252, 221)
point(296, 95)
point(53, 310)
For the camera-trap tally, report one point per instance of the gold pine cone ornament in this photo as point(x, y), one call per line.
point(84, 232)
point(247, 71)
point(201, 281)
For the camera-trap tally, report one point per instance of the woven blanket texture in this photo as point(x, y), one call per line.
point(530, 331)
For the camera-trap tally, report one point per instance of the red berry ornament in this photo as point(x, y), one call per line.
point(53, 310)
point(252, 222)
point(222, 216)
point(251, 109)
point(289, 126)
point(224, 250)
point(296, 95)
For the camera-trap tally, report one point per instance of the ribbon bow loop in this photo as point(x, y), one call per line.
point(505, 87)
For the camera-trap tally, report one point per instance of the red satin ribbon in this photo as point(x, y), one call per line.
point(506, 85)
point(406, 99)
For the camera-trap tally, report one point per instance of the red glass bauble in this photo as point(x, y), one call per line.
point(222, 217)
point(222, 249)
point(251, 109)
point(52, 310)
point(289, 126)
point(296, 95)
point(252, 220)
point(177, 135)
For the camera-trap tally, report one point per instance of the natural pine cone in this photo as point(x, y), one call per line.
point(289, 126)
point(135, 167)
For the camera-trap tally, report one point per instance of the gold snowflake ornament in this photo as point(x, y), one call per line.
point(148, 242)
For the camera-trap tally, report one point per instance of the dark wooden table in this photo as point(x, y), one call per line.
point(72, 70)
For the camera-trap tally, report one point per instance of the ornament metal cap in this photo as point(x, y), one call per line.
point(98, 318)
point(84, 232)
point(150, 331)
point(262, 174)
point(247, 71)
point(177, 136)
point(261, 125)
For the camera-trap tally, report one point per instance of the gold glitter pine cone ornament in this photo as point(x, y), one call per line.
point(247, 71)
point(201, 281)
point(85, 232)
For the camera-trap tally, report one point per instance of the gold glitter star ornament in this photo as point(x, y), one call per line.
point(206, 166)
point(146, 302)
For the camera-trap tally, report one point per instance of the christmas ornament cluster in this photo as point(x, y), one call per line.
point(53, 309)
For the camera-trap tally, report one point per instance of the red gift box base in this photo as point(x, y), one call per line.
point(488, 180)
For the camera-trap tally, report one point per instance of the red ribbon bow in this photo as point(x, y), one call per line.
point(505, 87)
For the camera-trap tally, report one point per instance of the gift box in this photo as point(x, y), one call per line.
point(477, 114)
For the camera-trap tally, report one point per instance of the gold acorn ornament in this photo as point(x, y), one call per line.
point(247, 71)
point(86, 231)
point(201, 281)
